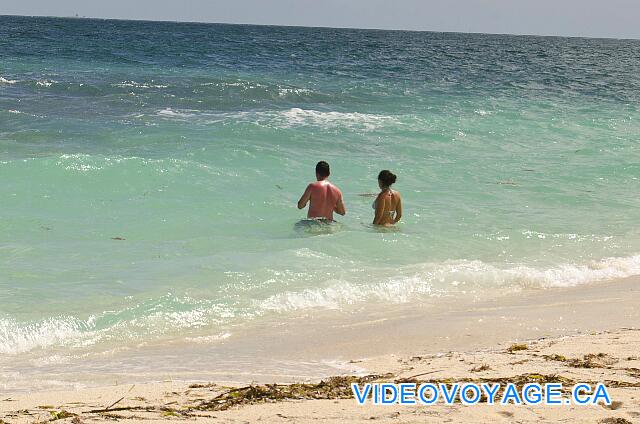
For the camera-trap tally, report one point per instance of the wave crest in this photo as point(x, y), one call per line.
point(7, 81)
point(286, 119)
point(170, 315)
point(449, 278)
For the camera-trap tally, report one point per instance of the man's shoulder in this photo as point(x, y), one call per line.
point(335, 188)
point(324, 185)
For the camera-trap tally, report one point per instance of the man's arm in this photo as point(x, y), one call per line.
point(306, 196)
point(340, 209)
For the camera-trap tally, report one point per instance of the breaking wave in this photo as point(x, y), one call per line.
point(172, 315)
point(291, 118)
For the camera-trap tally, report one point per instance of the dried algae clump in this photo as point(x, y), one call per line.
point(592, 360)
point(516, 347)
point(60, 415)
point(614, 420)
point(480, 368)
point(332, 388)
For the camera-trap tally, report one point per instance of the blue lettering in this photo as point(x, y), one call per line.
point(532, 394)
point(449, 396)
point(423, 398)
point(579, 400)
point(491, 392)
point(407, 394)
point(601, 392)
point(360, 396)
point(385, 389)
point(511, 394)
point(465, 392)
point(554, 393)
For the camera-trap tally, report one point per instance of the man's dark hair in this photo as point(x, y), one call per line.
point(322, 169)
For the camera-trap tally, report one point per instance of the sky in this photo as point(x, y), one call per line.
point(588, 18)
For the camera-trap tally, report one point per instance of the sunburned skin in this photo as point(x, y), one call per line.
point(325, 199)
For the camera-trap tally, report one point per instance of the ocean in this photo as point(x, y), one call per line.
point(149, 174)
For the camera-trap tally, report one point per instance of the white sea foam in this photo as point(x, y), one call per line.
point(572, 275)
point(139, 85)
point(291, 118)
point(449, 278)
point(283, 92)
point(302, 117)
point(19, 112)
point(567, 236)
point(82, 163)
point(209, 339)
point(7, 81)
point(343, 367)
point(342, 293)
point(136, 323)
point(45, 83)
point(172, 315)
point(170, 113)
point(17, 338)
point(308, 253)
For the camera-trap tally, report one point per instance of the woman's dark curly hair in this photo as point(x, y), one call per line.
point(387, 178)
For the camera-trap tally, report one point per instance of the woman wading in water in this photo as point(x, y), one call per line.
point(388, 204)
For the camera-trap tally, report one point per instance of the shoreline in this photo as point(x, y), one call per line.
point(316, 343)
point(610, 357)
point(443, 339)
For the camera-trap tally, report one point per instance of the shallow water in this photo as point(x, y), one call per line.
point(150, 173)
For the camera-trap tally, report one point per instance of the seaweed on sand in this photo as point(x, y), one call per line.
point(480, 368)
point(61, 415)
point(340, 388)
point(331, 388)
point(614, 420)
point(590, 360)
point(517, 347)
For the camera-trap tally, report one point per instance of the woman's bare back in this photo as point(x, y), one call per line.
point(388, 206)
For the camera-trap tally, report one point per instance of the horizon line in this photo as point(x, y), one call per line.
point(321, 27)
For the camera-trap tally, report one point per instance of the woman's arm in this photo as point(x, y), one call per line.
point(377, 219)
point(398, 209)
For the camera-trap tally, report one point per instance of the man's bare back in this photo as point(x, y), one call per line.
point(325, 197)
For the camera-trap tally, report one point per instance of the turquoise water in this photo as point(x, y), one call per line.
point(149, 173)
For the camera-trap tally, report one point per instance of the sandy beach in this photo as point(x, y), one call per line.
point(580, 334)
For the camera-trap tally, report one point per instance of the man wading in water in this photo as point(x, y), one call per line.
point(325, 197)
